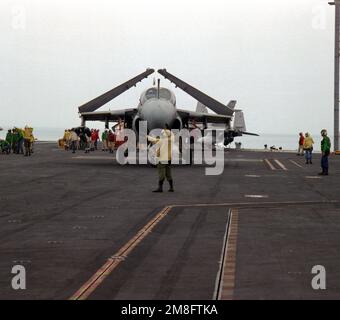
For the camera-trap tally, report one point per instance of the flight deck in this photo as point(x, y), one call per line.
point(85, 227)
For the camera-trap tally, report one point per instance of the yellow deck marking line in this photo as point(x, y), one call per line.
point(281, 165)
point(269, 164)
point(90, 286)
point(228, 278)
point(298, 165)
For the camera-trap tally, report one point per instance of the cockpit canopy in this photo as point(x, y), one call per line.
point(164, 93)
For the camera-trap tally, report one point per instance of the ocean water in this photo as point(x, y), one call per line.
point(286, 141)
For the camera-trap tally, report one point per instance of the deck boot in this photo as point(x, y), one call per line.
point(160, 187)
point(171, 183)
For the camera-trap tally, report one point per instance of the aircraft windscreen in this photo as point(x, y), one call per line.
point(165, 94)
point(151, 93)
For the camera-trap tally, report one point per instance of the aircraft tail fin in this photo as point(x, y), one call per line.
point(201, 108)
point(239, 122)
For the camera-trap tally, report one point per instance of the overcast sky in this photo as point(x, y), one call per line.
point(274, 57)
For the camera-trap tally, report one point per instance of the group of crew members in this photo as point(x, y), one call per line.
point(80, 139)
point(111, 140)
point(18, 141)
point(305, 148)
point(86, 139)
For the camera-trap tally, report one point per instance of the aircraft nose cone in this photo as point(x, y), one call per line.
point(157, 113)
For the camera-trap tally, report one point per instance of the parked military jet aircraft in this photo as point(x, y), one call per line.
point(157, 106)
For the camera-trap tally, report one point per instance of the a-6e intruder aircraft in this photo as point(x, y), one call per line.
point(157, 106)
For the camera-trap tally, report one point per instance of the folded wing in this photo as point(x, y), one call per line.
point(96, 103)
point(207, 101)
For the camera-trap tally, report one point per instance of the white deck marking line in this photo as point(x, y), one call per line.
point(281, 164)
point(313, 177)
point(269, 164)
point(255, 196)
point(298, 165)
point(252, 176)
point(243, 160)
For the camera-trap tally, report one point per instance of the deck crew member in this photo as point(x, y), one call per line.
point(73, 140)
point(111, 137)
point(308, 147)
point(9, 139)
point(27, 135)
point(301, 142)
point(66, 139)
point(326, 150)
point(104, 140)
point(164, 152)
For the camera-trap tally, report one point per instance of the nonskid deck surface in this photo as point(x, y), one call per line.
point(85, 227)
